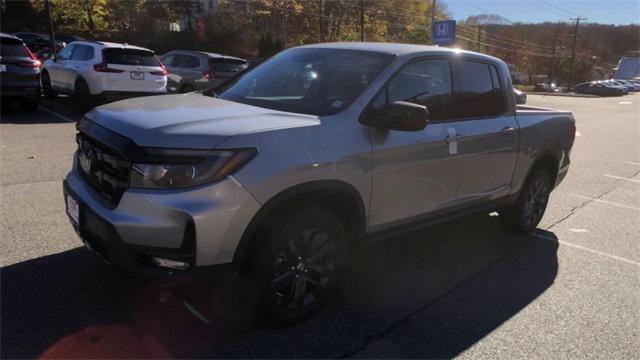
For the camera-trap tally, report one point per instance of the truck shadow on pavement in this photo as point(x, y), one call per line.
point(429, 294)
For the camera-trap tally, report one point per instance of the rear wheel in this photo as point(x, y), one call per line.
point(82, 100)
point(525, 215)
point(47, 90)
point(299, 265)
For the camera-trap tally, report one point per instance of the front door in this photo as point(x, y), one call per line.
point(415, 172)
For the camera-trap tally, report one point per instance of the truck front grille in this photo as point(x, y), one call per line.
point(103, 168)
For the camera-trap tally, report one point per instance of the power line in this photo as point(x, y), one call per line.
point(545, 9)
point(559, 8)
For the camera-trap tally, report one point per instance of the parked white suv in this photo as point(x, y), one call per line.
point(90, 69)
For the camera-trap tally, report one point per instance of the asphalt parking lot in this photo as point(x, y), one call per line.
point(468, 289)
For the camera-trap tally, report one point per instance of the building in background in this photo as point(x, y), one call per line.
point(628, 66)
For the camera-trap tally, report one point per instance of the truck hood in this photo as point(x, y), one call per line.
point(192, 120)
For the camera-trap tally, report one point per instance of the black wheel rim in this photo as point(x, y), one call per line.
point(536, 201)
point(303, 269)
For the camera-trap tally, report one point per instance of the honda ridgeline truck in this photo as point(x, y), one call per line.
point(280, 172)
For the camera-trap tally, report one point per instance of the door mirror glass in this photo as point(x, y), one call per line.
point(399, 115)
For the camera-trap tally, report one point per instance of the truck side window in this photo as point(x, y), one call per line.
point(478, 92)
point(424, 82)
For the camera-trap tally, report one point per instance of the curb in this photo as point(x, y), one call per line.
point(563, 94)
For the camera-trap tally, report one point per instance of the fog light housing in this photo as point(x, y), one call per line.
point(171, 264)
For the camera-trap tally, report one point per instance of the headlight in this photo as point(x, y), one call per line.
point(194, 171)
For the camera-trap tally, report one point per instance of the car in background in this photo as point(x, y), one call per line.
point(94, 70)
point(546, 87)
point(67, 39)
point(191, 70)
point(621, 84)
point(598, 88)
point(19, 72)
point(634, 86)
point(36, 42)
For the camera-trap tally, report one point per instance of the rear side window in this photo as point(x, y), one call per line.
point(10, 47)
point(478, 92)
point(130, 57)
point(228, 65)
point(82, 53)
point(185, 61)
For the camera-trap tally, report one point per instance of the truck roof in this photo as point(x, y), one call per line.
point(394, 48)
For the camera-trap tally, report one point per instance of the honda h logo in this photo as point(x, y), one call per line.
point(442, 29)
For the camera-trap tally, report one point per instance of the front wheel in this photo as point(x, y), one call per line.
point(525, 215)
point(299, 265)
point(47, 90)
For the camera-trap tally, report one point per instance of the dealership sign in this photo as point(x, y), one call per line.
point(443, 32)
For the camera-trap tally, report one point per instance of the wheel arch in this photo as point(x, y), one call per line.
point(337, 196)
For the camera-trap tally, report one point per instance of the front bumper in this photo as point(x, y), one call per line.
point(200, 226)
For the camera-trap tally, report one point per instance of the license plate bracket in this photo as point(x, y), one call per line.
point(137, 75)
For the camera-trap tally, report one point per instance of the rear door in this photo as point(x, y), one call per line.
point(488, 131)
point(77, 63)
point(186, 69)
point(133, 70)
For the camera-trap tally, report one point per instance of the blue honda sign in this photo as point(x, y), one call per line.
point(443, 32)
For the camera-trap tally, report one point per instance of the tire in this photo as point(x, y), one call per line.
point(47, 90)
point(82, 99)
point(186, 88)
point(30, 105)
point(298, 267)
point(525, 215)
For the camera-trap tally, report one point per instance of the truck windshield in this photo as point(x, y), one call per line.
point(309, 81)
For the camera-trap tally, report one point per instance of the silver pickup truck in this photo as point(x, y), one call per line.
point(282, 171)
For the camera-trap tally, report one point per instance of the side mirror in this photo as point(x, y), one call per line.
point(521, 97)
point(399, 115)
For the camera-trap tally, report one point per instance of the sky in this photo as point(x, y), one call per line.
point(533, 11)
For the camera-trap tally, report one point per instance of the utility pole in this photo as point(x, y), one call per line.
point(361, 20)
point(552, 72)
point(320, 29)
point(573, 50)
point(478, 38)
point(52, 39)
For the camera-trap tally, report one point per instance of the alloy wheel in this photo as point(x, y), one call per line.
point(303, 269)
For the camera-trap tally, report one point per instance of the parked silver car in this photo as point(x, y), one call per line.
point(286, 168)
point(198, 70)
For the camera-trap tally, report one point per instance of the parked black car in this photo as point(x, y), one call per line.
point(36, 42)
point(19, 72)
point(545, 87)
point(600, 89)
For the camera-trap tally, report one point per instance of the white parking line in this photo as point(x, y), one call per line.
point(625, 102)
point(606, 202)
point(631, 163)
point(621, 178)
point(56, 114)
point(578, 134)
point(614, 257)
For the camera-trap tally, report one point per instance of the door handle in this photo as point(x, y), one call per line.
point(507, 130)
